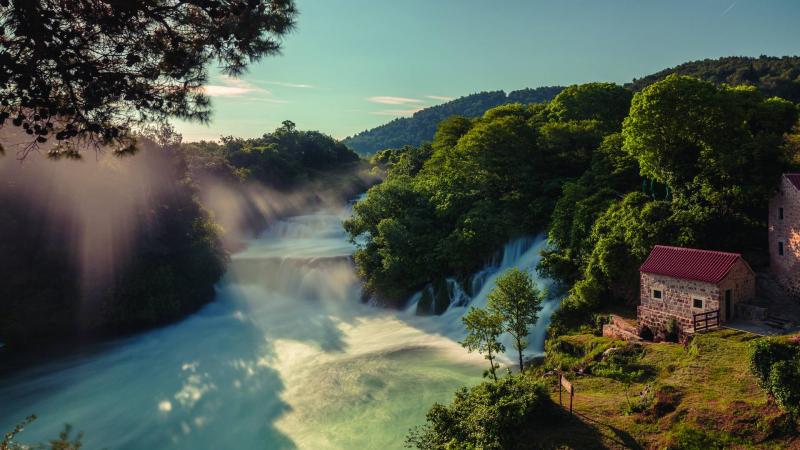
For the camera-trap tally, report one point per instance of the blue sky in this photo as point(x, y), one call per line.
point(351, 65)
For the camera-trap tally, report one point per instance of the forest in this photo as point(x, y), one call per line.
point(774, 76)
point(605, 172)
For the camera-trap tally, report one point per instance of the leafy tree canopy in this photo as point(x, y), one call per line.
point(518, 300)
point(450, 205)
point(607, 103)
point(487, 416)
point(92, 69)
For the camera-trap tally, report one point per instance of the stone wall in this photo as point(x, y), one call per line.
point(787, 267)
point(742, 282)
point(677, 298)
point(676, 301)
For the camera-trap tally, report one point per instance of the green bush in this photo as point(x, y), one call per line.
point(776, 365)
point(784, 382)
point(672, 330)
point(487, 416)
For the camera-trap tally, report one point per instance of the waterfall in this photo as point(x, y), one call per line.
point(286, 357)
point(523, 253)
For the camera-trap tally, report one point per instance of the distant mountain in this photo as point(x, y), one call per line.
point(774, 76)
point(422, 125)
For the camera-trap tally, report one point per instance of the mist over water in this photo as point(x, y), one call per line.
point(287, 356)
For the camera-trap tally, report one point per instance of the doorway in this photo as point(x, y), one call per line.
point(728, 304)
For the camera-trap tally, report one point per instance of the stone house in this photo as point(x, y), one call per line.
point(677, 283)
point(784, 233)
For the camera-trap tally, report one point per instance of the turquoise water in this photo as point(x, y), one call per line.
point(287, 356)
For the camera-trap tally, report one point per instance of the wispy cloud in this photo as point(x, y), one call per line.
point(387, 100)
point(440, 97)
point(265, 100)
point(285, 84)
point(231, 87)
point(728, 9)
point(396, 112)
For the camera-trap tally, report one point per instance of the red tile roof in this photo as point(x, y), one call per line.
point(689, 263)
point(794, 178)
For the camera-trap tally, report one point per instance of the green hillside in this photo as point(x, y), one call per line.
point(773, 76)
point(421, 126)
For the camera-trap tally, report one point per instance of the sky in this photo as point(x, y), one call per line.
point(351, 65)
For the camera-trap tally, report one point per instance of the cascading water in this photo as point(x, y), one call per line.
point(287, 356)
point(523, 253)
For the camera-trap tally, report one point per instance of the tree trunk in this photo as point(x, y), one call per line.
point(519, 349)
point(491, 363)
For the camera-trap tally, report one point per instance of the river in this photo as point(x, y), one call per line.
point(287, 356)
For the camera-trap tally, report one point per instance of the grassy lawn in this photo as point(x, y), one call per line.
point(703, 394)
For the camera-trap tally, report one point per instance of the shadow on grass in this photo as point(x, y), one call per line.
point(562, 429)
point(620, 437)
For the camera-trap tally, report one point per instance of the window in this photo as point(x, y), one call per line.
point(780, 248)
point(656, 294)
point(780, 213)
point(697, 303)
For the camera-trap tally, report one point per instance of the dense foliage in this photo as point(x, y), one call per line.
point(88, 70)
point(175, 260)
point(773, 76)
point(283, 159)
point(490, 415)
point(421, 126)
point(708, 156)
point(445, 208)
point(776, 364)
point(176, 256)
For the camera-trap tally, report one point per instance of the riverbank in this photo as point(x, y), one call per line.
point(233, 213)
point(287, 356)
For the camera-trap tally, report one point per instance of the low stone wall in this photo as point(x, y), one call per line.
point(613, 332)
point(747, 311)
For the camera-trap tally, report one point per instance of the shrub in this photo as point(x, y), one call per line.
point(784, 382)
point(487, 416)
point(776, 365)
point(599, 321)
point(764, 353)
point(672, 331)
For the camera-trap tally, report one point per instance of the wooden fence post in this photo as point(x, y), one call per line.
point(565, 384)
point(570, 402)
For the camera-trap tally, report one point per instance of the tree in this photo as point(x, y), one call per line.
point(64, 441)
point(501, 415)
point(723, 144)
point(90, 70)
point(518, 300)
point(483, 329)
point(607, 103)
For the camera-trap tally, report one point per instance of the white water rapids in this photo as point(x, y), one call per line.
point(285, 357)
